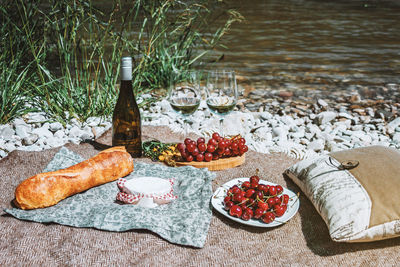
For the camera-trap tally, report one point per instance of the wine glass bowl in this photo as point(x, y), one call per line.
point(184, 94)
point(222, 93)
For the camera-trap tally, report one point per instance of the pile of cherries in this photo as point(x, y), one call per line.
point(217, 147)
point(255, 200)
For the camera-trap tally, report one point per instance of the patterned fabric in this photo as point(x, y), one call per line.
point(184, 221)
point(340, 199)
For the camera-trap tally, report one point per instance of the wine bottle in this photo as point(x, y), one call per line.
point(126, 129)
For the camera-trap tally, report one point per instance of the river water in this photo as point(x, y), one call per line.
point(311, 44)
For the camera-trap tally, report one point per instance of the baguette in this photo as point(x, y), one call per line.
point(47, 189)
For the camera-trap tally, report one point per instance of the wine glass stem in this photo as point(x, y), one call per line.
point(186, 125)
point(221, 126)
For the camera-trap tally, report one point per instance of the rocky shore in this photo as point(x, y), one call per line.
point(298, 123)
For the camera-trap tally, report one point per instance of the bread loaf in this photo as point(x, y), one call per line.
point(47, 189)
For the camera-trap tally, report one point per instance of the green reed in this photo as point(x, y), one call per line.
point(66, 54)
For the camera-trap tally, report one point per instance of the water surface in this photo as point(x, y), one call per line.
point(316, 44)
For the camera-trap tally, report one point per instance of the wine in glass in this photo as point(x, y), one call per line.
point(222, 93)
point(184, 95)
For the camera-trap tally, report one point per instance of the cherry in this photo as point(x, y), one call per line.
point(199, 157)
point(259, 195)
point(250, 202)
point(238, 198)
point(211, 148)
point(228, 205)
point(246, 185)
point(284, 199)
point(227, 198)
point(279, 210)
point(272, 190)
point(261, 187)
point(254, 178)
point(250, 192)
point(268, 217)
point(258, 213)
point(215, 136)
point(235, 211)
point(202, 147)
point(277, 200)
point(215, 156)
point(266, 189)
point(262, 205)
point(254, 185)
point(208, 157)
point(201, 140)
point(235, 189)
point(246, 216)
point(279, 189)
point(249, 211)
point(271, 201)
point(220, 151)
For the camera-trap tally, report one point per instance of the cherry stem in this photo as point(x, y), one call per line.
point(297, 198)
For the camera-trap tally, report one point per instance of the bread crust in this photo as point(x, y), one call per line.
point(47, 189)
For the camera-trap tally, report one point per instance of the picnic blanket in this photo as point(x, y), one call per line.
point(303, 241)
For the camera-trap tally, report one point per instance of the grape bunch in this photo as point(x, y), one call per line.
point(217, 147)
point(252, 199)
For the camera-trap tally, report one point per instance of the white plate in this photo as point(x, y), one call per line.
point(219, 195)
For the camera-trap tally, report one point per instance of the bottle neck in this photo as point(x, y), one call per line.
point(126, 74)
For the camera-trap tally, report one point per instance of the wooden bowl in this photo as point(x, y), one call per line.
point(216, 165)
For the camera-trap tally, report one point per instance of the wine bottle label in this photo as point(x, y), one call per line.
point(126, 69)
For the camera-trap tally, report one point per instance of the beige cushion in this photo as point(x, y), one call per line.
point(356, 191)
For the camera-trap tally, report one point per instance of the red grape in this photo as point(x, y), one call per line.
point(201, 147)
point(212, 142)
point(199, 157)
point(201, 140)
point(215, 136)
point(208, 157)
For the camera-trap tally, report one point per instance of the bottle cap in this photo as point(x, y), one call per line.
point(126, 68)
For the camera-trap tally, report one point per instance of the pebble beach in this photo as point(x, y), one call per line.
point(297, 123)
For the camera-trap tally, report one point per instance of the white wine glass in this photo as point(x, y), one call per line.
point(222, 94)
point(184, 94)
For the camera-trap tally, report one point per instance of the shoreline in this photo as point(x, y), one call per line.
point(298, 123)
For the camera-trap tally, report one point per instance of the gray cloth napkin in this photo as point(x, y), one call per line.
point(184, 221)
